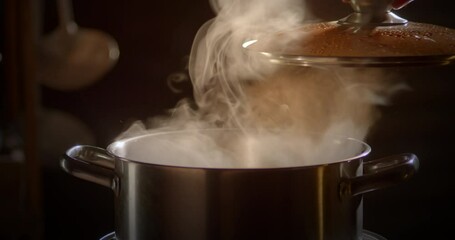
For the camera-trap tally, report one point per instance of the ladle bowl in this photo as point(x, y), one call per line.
point(71, 57)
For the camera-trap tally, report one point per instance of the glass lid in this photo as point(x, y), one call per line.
point(371, 36)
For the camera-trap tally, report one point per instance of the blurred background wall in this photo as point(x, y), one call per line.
point(154, 38)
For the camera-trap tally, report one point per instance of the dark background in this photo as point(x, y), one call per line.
point(154, 38)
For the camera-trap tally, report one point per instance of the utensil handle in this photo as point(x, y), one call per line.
point(381, 173)
point(92, 164)
point(66, 16)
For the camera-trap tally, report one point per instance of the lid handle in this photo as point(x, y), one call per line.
point(374, 13)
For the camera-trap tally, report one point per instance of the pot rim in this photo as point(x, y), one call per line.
point(365, 151)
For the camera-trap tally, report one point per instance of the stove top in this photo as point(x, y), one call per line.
point(367, 235)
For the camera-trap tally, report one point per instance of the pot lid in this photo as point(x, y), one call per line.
point(371, 36)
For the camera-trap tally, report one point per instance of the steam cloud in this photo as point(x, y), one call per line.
point(283, 115)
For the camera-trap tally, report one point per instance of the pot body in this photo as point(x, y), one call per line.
point(156, 201)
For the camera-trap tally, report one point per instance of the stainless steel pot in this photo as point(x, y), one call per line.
point(158, 201)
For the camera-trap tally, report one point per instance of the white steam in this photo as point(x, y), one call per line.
point(284, 115)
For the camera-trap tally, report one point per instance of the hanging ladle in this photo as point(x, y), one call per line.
point(71, 57)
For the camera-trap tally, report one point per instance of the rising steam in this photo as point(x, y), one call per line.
point(284, 115)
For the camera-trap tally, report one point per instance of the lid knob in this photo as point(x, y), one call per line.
point(374, 13)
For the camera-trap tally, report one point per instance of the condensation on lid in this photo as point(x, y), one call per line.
point(333, 43)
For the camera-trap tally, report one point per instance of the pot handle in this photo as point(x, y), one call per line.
point(381, 173)
point(92, 164)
